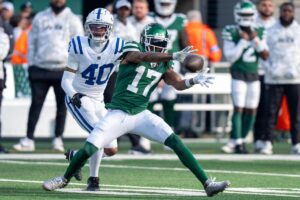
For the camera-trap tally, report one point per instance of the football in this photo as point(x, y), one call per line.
point(193, 62)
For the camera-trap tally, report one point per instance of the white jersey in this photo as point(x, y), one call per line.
point(125, 31)
point(283, 66)
point(93, 69)
point(140, 25)
point(49, 37)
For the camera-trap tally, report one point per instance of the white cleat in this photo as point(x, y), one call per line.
point(212, 187)
point(268, 148)
point(58, 144)
point(296, 149)
point(55, 183)
point(258, 146)
point(25, 144)
point(229, 147)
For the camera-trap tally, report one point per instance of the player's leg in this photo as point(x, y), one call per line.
point(239, 89)
point(108, 129)
point(249, 114)
point(39, 92)
point(154, 128)
point(61, 114)
point(274, 99)
point(293, 99)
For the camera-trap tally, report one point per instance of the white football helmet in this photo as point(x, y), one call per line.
point(99, 24)
point(165, 7)
point(245, 13)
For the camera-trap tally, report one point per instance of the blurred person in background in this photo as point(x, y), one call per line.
point(140, 17)
point(19, 56)
point(4, 43)
point(174, 23)
point(244, 44)
point(6, 13)
point(283, 75)
point(48, 40)
point(124, 29)
point(26, 8)
point(266, 19)
point(202, 37)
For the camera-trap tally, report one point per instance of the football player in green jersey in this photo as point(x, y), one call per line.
point(143, 65)
point(244, 44)
point(174, 23)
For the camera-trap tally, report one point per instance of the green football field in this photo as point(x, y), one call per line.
point(160, 176)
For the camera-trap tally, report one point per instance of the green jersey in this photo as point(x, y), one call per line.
point(175, 25)
point(248, 61)
point(136, 82)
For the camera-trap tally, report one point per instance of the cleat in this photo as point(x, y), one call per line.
point(258, 146)
point(25, 144)
point(58, 145)
point(229, 147)
point(93, 184)
point(55, 183)
point(139, 150)
point(240, 149)
point(268, 148)
point(212, 188)
point(3, 150)
point(296, 149)
point(69, 155)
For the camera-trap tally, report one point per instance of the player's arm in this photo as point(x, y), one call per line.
point(260, 45)
point(137, 57)
point(174, 79)
point(233, 51)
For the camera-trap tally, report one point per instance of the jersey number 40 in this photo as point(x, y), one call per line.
point(103, 74)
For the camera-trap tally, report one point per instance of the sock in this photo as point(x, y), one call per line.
point(186, 157)
point(247, 123)
point(169, 112)
point(80, 159)
point(94, 162)
point(236, 131)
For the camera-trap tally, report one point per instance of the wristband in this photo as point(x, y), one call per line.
point(187, 83)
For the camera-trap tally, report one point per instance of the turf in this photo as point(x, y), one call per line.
point(155, 179)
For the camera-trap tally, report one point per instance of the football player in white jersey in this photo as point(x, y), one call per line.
point(91, 61)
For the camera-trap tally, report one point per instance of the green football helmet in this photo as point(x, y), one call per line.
point(245, 13)
point(155, 38)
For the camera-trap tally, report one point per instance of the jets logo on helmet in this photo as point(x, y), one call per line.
point(155, 38)
point(165, 7)
point(245, 13)
point(99, 24)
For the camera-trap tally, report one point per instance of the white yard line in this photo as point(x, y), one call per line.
point(129, 190)
point(249, 157)
point(156, 168)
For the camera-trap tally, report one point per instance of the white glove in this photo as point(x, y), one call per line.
point(181, 55)
point(203, 78)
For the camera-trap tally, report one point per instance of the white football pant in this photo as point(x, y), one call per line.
point(245, 94)
point(117, 123)
point(87, 116)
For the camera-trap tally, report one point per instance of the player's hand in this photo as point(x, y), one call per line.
point(252, 35)
point(76, 99)
point(244, 35)
point(181, 55)
point(203, 78)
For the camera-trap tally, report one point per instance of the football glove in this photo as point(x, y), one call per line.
point(76, 99)
point(181, 55)
point(203, 78)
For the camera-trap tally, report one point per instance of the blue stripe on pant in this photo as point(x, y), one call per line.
point(78, 116)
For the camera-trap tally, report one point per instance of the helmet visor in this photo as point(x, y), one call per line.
point(98, 30)
point(156, 45)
